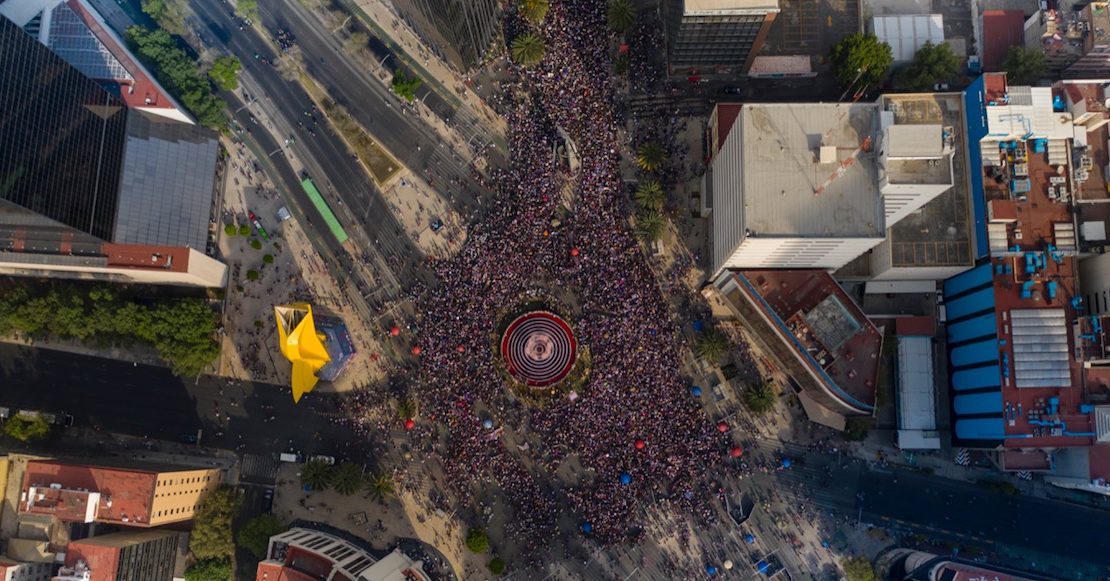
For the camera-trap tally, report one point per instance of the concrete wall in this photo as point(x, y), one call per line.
point(179, 493)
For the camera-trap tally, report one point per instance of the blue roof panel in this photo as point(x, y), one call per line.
point(978, 403)
point(978, 378)
point(980, 352)
point(982, 326)
point(977, 276)
point(976, 302)
point(980, 429)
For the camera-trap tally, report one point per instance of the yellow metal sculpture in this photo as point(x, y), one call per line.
point(301, 345)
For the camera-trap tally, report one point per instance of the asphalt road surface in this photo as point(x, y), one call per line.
point(145, 400)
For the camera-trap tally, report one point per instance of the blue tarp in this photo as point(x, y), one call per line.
point(980, 429)
point(974, 303)
point(964, 281)
point(980, 377)
point(975, 110)
point(982, 326)
point(978, 403)
point(973, 353)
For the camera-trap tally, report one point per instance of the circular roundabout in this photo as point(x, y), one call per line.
point(539, 349)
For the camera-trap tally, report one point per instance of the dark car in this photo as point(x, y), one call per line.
point(733, 90)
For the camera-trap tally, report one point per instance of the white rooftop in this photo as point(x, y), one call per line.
point(780, 174)
point(914, 141)
point(909, 32)
point(728, 7)
point(917, 409)
point(1029, 114)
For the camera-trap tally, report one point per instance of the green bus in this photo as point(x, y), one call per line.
point(325, 210)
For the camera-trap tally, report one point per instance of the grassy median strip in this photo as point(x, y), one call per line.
point(383, 166)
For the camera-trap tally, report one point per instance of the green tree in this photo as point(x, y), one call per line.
point(230, 230)
point(255, 534)
point(858, 569)
point(256, 244)
point(621, 15)
point(247, 9)
point(534, 11)
point(347, 478)
point(211, 537)
point(225, 73)
point(405, 85)
point(649, 226)
point(712, 345)
point(496, 566)
point(178, 73)
point(477, 541)
point(860, 60)
point(856, 429)
point(760, 398)
point(932, 64)
point(209, 570)
point(1024, 66)
point(27, 427)
point(252, 275)
point(169, 14)
point(316, 475)
point(527, 49)
point(381, 486)
point(357, 41)
point(406, 408)
point(649, 195)
point(650, 156)
point(267, 259)
point(244, 230)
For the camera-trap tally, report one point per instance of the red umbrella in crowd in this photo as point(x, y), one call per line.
point(736, 452)
point(416, 350)
point(574, 252)
point(410, 424)
point(395, 331)
point(640, 444)
point(722, 427)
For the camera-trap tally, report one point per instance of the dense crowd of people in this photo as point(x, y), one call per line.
point(523, 248)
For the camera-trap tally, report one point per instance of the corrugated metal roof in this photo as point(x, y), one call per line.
point(907, 33)
point(917, 408)
point(1040, 343)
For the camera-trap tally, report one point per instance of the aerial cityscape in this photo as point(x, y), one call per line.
point(437, 290)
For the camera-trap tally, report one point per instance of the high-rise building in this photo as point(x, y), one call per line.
point(716, 36)
point(140, 555)
point(92, 188)
point(459, 31)
point(137, 495)
point(11, 570)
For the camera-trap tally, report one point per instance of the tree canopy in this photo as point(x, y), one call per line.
point(932, 64)
point(347, 478)
point(650, 156)
point(621, 15)
point(169, 14)
point(712, 345)
point(381, 486)
point(760, 398)
point(27, 427)
point(317, 475)
point(649, 225)
point(225, 73)
point(527, 49)
point(477, 541)
point(860, 60)
point(1024, 66)
point(650, 195)
point(183, 331)
point(858, 569)
point(405, 85)
point(255, 534)
point(247, 9)
point(534, 11)
point(357, 41)
point(209, 570)
point(211, 537)
point(178, 73)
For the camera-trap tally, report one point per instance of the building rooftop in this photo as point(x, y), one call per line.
point(824, 325)
point(76, 32)
point(939, 234)
point(275, 571)
point(167, 184)
point(121, 495)
point(1001, 30)
point(101, 554)
point(789, 190)
point(906, 33)
point(716, 7)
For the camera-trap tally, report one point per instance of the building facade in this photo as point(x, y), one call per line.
point(141, 555)
point(459, 31)
point(11, 570)
point(131, 495)
point(716, 36)
point(303, 553)
point(92, 188)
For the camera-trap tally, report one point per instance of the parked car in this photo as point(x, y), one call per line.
point(329, 460)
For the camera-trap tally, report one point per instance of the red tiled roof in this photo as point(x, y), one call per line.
point(1001, 30)
point(103, 562)
point(125, 493)
point(143, 91)
point(274, 571)
point(915, 326)
point(172, 258)
point(791, 294)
